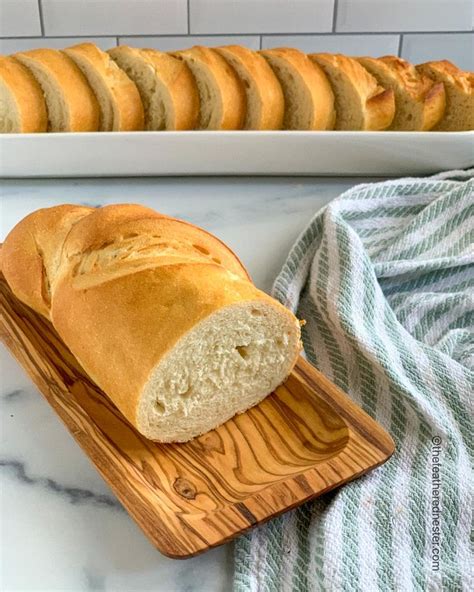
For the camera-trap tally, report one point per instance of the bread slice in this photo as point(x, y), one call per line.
point(160, 314)
point(22, 106)
point(361, 104)
point(459, 86)
point(166, 85)
point(309, 100)
point(121, 108)
point(265, 101)
point(419, 101)
point(221, 93)
point(71, 103)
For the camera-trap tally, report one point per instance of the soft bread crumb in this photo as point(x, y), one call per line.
point(226, 364)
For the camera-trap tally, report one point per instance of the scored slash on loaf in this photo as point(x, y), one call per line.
point(228, 88)
point(159, 313)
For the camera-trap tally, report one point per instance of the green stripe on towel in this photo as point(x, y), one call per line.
point(384, 276)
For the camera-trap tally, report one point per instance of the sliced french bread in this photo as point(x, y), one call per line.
point(159, 313)
point(221, 93)
point(71, 103)
point(265, 101)
point(309, 100)
point(166, 85)
point(361, 104)
point(459, 86)
point(22, 106)
point(121, 108)
point(419, 101)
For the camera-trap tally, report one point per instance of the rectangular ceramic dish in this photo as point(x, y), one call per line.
point(233, 153)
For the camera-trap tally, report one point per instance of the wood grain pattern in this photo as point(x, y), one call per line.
point(303, 440)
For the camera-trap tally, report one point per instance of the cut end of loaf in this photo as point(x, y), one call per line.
point(225, 365)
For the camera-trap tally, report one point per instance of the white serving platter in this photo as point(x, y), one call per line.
point(140, 154)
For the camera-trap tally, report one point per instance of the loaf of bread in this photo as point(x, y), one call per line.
point(71, 103)
point(361, 104)
point(309, 100)
point(265, 101)
point(459, 86)
point(221, 92)
point(161, 314)
point(166, 85)
point(120, 105)
point(419, 101)
point(22, 106)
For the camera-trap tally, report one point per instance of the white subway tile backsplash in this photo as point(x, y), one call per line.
point(114, 17)
point(19, 18)
point(260, 16)
point(456, 47)
point(8, 46)
point(185, 41)
point(354, 45)
point(403, 15)
point(423, 29)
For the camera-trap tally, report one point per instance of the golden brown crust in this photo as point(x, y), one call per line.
point(416, 84)
point(31, 252)
point(409, 86)
point(50, 240)
point(232, 100)
point(121, 91)
point(315, 80)
point(377, 104)
point(27, 95)
point(459, 87)
point(457, 77)
point(380, 109)
point(121, 225)
point(435, 106)
point(82, 106)
point(271, 103)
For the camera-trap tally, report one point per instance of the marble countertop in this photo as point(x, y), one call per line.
point(61, 527)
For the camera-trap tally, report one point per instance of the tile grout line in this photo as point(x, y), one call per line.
point(165, 35)
point(348, 33)
point(41, 18)
point(400, 45)
point(189, 17)
point(334, 15)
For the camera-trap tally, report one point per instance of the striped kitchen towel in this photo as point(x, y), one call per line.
point(384, 277)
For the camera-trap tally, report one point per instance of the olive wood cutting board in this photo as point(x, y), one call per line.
point(303, 440)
